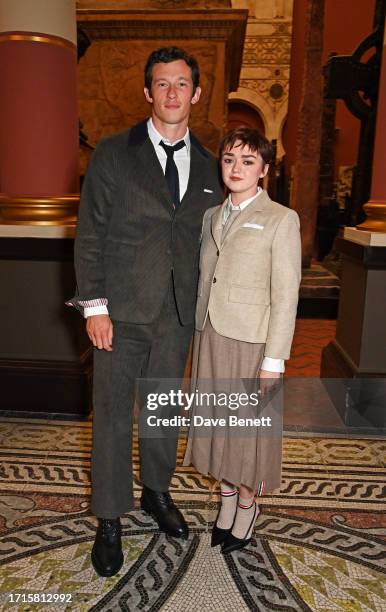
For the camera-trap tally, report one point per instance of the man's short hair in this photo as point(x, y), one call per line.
point(251, 138)
point(167, 55)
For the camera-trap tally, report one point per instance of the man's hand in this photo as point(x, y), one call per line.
point(267, 381)
point(100, 331)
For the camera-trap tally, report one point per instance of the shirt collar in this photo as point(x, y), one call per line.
point(243, 204)
point(155, 136)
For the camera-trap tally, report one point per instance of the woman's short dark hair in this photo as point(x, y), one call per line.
point(251, 138)
point(167, 55)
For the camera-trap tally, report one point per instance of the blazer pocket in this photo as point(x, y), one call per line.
point(248, 271)
point(248, 295)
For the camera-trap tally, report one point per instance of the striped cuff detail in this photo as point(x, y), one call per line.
point(244, 507)
point(93, 303)
point(87, 308)
point(228, 493)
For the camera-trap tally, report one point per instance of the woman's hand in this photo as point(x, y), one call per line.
point(268, 380)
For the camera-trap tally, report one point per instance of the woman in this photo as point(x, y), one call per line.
point(250, 268)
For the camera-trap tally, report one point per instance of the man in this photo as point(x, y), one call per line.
point(136, 259)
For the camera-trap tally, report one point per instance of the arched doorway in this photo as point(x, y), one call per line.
point(241, 114)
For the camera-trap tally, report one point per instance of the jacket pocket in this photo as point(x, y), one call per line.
point(248, 295)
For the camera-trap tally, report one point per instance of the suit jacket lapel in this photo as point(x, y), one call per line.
point(217, 219)
point(153, 175)
point(197, 170)
point(148, 168)
point(257, 205)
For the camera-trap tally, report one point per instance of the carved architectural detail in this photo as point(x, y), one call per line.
point(327, 150)
point(225, 27)
point(155, 4)
point(266, 50)
point(264, 81)
point(111, 72)
point(275, 92)
point(140, 30)
point(344, 184)
point(304, 195)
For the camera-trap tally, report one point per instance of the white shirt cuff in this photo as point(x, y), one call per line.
point(90, 311)
point(272, 365)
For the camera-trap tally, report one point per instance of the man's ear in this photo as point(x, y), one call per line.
point(147, 95)
point(196, 96)
point(264, 171)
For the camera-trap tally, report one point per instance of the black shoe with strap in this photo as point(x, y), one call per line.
point(231, 543)
point(219, 535)
point(161, 507)
point(106, 554)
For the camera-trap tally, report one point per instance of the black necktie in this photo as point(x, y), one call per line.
point(171, 172)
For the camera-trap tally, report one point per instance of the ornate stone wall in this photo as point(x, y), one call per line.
point(264, 80)
point(110, 84)
point(111, 88)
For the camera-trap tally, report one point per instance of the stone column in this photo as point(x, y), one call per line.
point(39, 130)
point(376, 207)
point(44, 353)
point(304, 193)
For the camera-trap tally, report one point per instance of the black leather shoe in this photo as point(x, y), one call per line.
point(106, 554)
point(232, 543)
point(161, 507)
point(219, 535)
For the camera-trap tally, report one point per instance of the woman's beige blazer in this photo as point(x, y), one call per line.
point(249, 284)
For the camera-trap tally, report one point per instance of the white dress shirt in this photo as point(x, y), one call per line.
point(230, 206)
point(181, 157)
point(269, 364)
point(182, 161)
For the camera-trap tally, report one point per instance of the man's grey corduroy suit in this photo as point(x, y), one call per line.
point(133, 249)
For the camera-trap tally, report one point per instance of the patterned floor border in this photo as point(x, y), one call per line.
point(319, 543)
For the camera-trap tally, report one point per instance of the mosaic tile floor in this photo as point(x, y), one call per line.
point(319, 543)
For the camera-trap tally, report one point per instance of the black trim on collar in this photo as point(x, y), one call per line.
point(138, 134)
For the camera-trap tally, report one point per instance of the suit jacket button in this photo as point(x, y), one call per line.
point(214, 279)
point(168, 252)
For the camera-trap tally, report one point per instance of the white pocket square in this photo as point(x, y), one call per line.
point(253, 226)
point(208, 190)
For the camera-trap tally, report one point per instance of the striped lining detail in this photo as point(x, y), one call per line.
point(92, 303)
point(260, 489)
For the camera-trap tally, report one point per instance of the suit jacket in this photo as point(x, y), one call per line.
point(128, 237)
point(249, 284)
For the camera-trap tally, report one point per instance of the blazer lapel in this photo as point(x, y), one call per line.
point(257, 205)
point(153, 175)
point(148, 168)
point(217, 224)
point(197, 170)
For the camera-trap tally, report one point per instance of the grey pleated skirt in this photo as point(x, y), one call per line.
point(249, 456)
